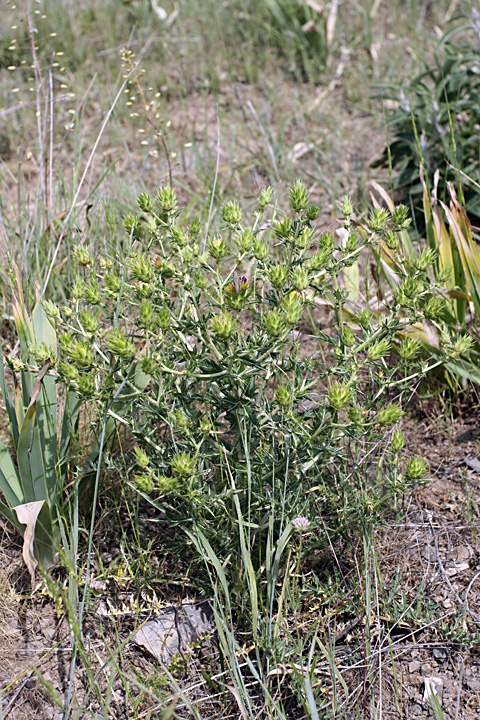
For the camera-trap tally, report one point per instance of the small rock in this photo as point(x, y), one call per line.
point(426, 669)
point(440, 653)
point(414, 666)
point(415, 711)
point(460, 553)
point(433, 686)
point(472, 683)
point(175, 630)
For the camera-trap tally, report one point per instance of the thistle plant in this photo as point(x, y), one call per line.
point(218, 339)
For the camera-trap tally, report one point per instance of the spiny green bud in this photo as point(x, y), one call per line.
point(339, 395)
point(217, 248)
point(223, 326)
point(91, 294)
point(356, 416)
point(416, 469)
point(434, 308)
point(391, 240)
point(274, 323)
point(318, 261)
point(121, 346)
point(145, 483)
point(347, 206)
point(205, 425)
point(326, 241)
point(313, 211)
point(265, 198)
point(292, 306)
point(445, 274)
point(231, 213)
point(305, 238)
point(167, 199)
point(378, 219)
point(82, 256)
point(400, 217)
point(179, 237)
point(283, 397)
point(398, 442)
point(245, 240)
point(65, 342)
point(282, 229)
point(187, 253)
point(348, 337)
point(180, 420)
point(200, 281)
point(41, 352)
point(146, 315)
point(298, 197)
point(166, 484)
point(166, 268)
point(378, 350)
point(277, 274)
point(67, 371)
point(51, 309)
point(389, 415)
point(81, 353)
point(141, 457)
point(145, 290)
point(300, 278)
point(86, 384)
point(105, 263)
point(237, 292)
point(89, 321)
point(112, 284)
point(78, 289)
point(364, 319)
point(148, 365)
point(409, 348)
point(195, 226)
point(353, 241)
point(260, 250)
point(409, 291)
point(183, 465)
point(15, 364)
point(145, 202)
point(67, 311)
point(141, 267)
point(463, 345)
point(425, 259)
point(132, 226)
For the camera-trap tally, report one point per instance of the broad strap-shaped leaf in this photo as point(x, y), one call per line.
point(9, 402)
point(46, 403)
point(71, 411)
point(9, 481)
point(11, 517)
point(24, 451)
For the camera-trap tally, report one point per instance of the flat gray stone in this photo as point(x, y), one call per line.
point(175, 630)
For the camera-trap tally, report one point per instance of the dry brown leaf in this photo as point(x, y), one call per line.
point(27, 514)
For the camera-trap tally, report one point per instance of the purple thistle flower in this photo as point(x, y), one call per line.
point(301, 523)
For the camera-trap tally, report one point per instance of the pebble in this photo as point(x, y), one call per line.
point(414, 666)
